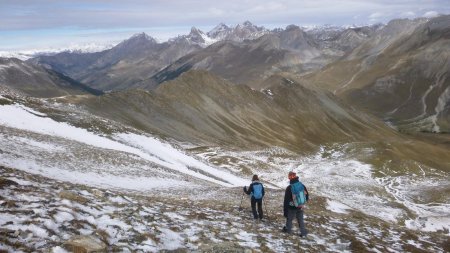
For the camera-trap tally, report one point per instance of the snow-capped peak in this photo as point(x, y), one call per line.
point(197, 37)
point(142, 36)
point(219, 29)
point(195, 30)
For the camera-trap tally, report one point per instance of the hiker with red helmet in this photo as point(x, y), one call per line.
point(256, 191)
point(295, 198)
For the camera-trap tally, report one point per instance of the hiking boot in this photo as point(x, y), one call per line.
point(302, 236)
point(284, 230)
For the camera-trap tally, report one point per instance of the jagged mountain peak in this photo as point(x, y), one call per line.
point(196, 37)
point(195, 30)
point(221, 25)
point(220, 28)
point(247, 23)
point(292, 27)
point(138, 40)
point(142, 36)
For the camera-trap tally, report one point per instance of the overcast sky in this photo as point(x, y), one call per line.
point(31, 24)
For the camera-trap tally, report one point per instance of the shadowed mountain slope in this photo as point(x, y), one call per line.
point(122, 66)
point(402, 75)
point(37, 81)
point(233, 61)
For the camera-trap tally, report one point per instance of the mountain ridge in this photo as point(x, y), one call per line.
point(406, 71)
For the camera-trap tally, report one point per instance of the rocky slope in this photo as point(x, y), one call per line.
point(38, 81)
point(127, 63)
point(402, 75)
point(39, 214)
point(200, 107)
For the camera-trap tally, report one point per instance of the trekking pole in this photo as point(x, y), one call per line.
point(267, 213)
point(241, 202)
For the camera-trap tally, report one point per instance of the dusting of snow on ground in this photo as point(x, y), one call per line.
point(147, 148)
point(348, 181)
point(407, 190)
point(140, 194)
point(349, 184)
point(337, 207)
point(352, 183)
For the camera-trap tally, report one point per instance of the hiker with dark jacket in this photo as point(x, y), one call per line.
point(294, 210)
point(256, 191)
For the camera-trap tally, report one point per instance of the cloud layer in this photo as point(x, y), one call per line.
point(21, 17)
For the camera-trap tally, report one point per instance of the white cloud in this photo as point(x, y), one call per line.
point(376, 15)
point(408, 14)
point(25, 21)
point(431, 14)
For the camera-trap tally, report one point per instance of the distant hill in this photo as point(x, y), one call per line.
point(37, 81)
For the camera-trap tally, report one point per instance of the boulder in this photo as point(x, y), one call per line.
point(73, 197)
point(6, 182)
point(85, 244)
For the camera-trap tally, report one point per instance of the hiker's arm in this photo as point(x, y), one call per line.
point(263, 191)
point(249, 189)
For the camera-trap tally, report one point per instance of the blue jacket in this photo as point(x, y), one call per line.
point(250, 188)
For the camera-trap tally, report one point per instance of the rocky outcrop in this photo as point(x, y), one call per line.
point(85, 244)
point(4, 182)
point(72, 197)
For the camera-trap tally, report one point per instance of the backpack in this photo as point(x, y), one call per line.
point(299, 197)
point(257, 191)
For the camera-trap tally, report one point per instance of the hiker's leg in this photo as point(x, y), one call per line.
point(289, 219)
point(260, 209)
point(253, 202)
point(301, 222)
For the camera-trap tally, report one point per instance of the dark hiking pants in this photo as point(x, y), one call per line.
point(260, 211)
point(291, 215)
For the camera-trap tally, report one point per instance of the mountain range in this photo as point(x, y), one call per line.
point(360, 64)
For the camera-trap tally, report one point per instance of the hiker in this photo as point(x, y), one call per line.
point(295, 198)
point(256, 191)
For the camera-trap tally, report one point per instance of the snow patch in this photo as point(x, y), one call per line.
point(170, 240)
point(148, 148)
point(337, 207)
point(61, 217)
point(175, 216)
point(430, 216)
point(58, 249)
